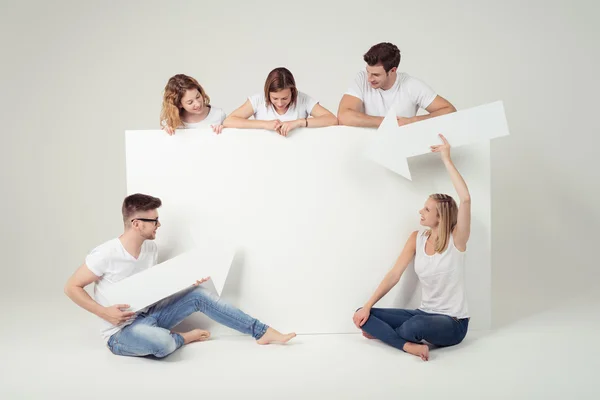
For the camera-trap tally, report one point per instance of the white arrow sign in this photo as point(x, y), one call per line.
point(392, 145)
point(172, 276)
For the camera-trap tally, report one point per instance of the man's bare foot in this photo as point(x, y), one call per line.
point(273, 336)
point(195, 335)
point(365, 334)
point(419, 350)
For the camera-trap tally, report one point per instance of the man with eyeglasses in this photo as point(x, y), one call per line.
point(148, 332)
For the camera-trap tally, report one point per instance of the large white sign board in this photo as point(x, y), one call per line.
point(318, 224)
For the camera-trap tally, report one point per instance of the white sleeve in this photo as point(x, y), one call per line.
point(420, 93)
point(97, 261)
point(257, 101)
point(308, 102)
point(357, 87)
point(223, 116)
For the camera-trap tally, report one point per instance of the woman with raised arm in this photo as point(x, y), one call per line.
point(439, 254)
point(280, 107)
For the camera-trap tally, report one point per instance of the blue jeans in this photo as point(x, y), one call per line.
point(396, 326)
point(150, 335)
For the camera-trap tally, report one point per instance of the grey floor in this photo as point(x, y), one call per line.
point(48, 354)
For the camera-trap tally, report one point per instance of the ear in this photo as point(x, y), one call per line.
point(394, 69)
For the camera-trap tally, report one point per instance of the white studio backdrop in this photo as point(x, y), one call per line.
point(317, 225)
point(76, 75)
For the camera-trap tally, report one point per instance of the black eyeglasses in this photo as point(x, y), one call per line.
point(147, 220)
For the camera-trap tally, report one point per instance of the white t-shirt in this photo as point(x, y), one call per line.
point(215, 116)
point(302, 109)
point(407, 95)
point(112, 263)
point(442, 279)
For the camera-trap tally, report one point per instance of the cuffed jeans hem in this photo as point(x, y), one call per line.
point(260, 330)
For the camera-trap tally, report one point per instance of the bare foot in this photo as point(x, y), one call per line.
point(365, 334)
point(273, 336)
point(195, 335)
point(419, 350)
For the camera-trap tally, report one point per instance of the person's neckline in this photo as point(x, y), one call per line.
point(128, 253)
point(203, 118)
point(435, 252)
point(395, 84)
point(277, 112)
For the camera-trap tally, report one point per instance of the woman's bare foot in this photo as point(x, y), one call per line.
point(273, 336)
point(195, 335)
point(419, 350)
point(365, 334)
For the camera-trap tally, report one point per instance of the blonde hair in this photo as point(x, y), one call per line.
point(447, 211)
point(174, 91)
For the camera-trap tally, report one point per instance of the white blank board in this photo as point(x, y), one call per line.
point(318, 224)
point(174, 275)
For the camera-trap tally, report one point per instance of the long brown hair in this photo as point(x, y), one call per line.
point(279, 79)
point(447, 211)
point(174, 91)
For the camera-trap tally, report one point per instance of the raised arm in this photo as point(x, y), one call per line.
point(239, 119)
point(349, 113)
point(74, 289)
point(389, 281)
point(462, 230)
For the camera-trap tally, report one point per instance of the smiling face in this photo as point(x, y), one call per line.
point(146, 223)
point(281, 99)
point(193, 102)
point(429, 214)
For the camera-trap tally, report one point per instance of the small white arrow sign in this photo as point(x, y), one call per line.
point(172, 276)
point(392, 145)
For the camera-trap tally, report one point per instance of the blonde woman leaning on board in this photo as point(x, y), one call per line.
point(439, 253)
point(280, 107)
point(186, 105)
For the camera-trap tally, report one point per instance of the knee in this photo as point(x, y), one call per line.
point(203, 298)
point(157, 341)
point(412, 329)
point(202, 295)
point(163, 346)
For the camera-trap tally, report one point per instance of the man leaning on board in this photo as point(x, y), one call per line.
point(149, 331)
point(381, 87)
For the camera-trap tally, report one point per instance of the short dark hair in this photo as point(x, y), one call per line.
point(138, 202)
point(384, 53)
point(279, 79)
